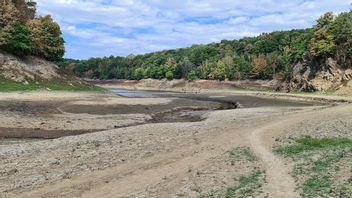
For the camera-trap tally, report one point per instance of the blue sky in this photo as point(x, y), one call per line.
point(97, 28)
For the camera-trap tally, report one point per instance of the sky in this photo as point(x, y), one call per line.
point(98, 28)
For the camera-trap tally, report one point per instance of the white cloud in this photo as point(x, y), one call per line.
point(121, 27)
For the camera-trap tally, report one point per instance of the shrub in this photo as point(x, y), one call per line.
point(138, 73)
point(169, 75)
point(192, 76)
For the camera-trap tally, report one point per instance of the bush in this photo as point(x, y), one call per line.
point(192, 76)
point(139, 73)
point(169, 75)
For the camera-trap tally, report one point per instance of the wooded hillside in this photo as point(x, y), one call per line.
point(268, 56)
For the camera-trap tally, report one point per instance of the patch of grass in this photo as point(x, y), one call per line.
point(316, 163)
point(10, 86)
point(248, 186)
point(328, 92)
point(196, 188)
point(75, 87)
point(309, 144)
point(317, 186)
point(240, 153)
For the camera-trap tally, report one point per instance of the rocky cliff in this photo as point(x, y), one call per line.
point(309, 75)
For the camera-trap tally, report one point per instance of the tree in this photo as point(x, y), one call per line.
point(259, 69)
point(138, 73)
point(322, 45)
point(17, 40)
point(283, 62)
point(193, 75)
point(170, 63)
point(298, 44)
point(9, 15)
point(25, 12)
point(218, 72)
point(186, 66)
point(342, 30)
point(47, 39)
point(205, 69)
point(230, 68)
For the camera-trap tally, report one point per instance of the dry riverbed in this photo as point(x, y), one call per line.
point(156, 144)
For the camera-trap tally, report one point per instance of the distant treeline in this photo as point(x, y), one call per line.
point(266, 56)
point(22, 33)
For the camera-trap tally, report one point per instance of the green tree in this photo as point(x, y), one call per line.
point(283, 62)
point(17, 40)
point(186, 66)
point(322, 45)
point(342, 30)
point(298, 44)
point(205, 69)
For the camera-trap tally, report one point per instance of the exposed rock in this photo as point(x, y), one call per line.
point(308, 75)
point(348, 75)
point(32, 69)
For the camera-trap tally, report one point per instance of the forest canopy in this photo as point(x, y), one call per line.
point(23, 33)
point(267, 56)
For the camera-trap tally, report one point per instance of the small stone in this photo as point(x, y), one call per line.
point(13, 171)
